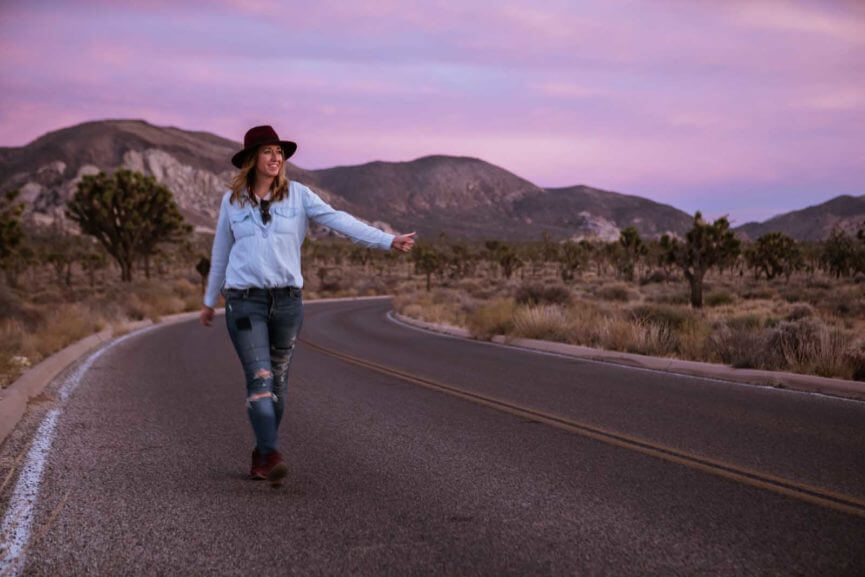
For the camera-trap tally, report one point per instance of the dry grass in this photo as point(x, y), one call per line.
point(491, 318)
point(541, 322)
point(804, 326)
point(52, 319)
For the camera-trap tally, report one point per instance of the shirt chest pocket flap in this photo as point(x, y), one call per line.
point(284, 218)
point(241, 224)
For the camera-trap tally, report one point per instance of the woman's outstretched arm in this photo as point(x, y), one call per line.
point(343, 222)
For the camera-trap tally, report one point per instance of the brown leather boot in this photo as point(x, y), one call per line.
point(256, 471)
point(274, 468)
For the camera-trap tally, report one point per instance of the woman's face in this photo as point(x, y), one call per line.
point(269, 160)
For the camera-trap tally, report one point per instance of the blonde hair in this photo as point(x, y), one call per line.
point(244, 181)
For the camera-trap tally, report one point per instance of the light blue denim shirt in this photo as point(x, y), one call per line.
point(248, 253)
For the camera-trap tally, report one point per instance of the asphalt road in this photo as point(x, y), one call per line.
point(581, 469)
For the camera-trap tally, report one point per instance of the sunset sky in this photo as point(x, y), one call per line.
point(746, 108)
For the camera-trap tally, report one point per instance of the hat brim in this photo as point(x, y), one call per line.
point(288, 149)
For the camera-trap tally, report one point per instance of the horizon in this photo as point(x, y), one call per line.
point(637, 98)
point(732, 223)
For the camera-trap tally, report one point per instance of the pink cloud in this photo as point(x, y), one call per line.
point(787, 16)
point(667, 97)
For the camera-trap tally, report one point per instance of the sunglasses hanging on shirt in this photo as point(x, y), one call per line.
point(264, 206)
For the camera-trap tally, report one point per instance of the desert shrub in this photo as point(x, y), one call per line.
point(800, 311)
point(492, 318)
point(48, 295)
point(136, 309)
point(746, 322)
point(663, 315)
point(758, 293)
point(844, 302)
point(614, 292)
point(67, 324)
point(371, 285)
point(479, 289)
point(647, 329)
point(546, 322)
point(854, 357)
point(742, 346)
point(12, 332)
point(330, 286)
point(794, 295)
point(656, 276)
point(420, 305)
point(583, 318)
point(12, 307)
point(693, 340)
point(808, 345)
point(536, 294)
point(634, 336)
point(719, 298)
point(670, 298)
point(818, 284)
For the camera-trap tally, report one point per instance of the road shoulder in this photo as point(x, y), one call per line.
point(783, 380)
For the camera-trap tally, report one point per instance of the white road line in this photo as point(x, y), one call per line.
point(19, 517)
point(15, 530)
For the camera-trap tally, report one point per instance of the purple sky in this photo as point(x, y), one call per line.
point(746, 108)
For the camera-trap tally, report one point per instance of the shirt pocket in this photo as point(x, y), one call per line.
point(241, 224)
point(284, 218)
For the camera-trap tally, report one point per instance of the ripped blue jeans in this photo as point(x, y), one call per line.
point(264, 325)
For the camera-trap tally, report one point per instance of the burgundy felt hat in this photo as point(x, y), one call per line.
point(258, 135)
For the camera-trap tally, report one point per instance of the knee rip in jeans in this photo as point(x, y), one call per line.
point(259, 396)
point(261, 374)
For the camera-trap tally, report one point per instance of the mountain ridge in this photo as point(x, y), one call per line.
point(460, 196)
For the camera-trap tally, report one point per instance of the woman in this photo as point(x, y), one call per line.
point(256, 254)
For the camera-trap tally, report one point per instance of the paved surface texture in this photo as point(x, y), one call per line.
point(147, 473)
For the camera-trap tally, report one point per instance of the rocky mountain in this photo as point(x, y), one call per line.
point(193, 165)
point(469, 198)
point(462, 197)
point(602, 213)
point(814, 222)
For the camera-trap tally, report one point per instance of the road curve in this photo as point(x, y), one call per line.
point(391, 476)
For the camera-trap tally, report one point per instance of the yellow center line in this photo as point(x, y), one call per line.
point(801, 491)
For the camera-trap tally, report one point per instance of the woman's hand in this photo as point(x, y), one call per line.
point(403, 242)
point(206, 315)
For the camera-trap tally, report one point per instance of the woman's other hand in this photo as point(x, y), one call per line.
point(206, 315)
point(403, 242)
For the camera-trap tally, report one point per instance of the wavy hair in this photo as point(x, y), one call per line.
point(243, 182)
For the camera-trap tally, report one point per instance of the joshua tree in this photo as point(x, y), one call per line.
point(509, 260)
point(705, 246)
point(128, 213)
point(774, 254)
point(572, 257)
point(839, 253)
point(632, 248)
point(427, 261)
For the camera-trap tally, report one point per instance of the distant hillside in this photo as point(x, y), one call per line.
point(193, 165)
point(462, 197)
point(814, 222)
point(563, 208)
point(467, 197)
